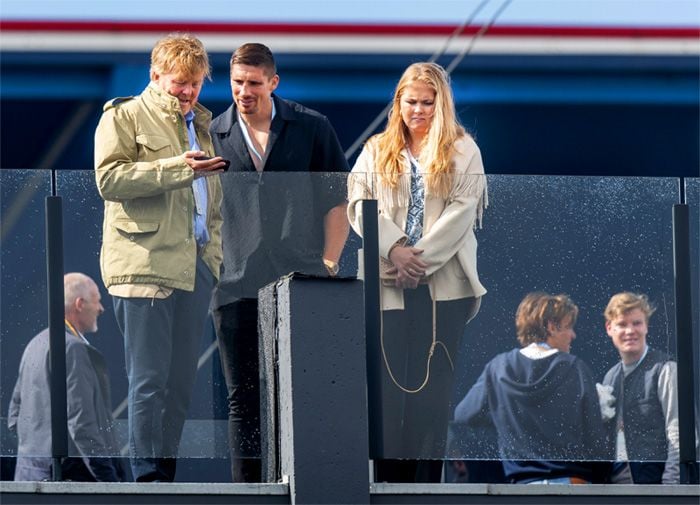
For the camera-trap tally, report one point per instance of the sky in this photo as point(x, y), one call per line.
point(647, 13)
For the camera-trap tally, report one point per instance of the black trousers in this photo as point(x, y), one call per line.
point(236, 326)
point(415, 423)
point(76, 470)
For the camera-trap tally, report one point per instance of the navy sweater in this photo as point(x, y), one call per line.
point(545, 414)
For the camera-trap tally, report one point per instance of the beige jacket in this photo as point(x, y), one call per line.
point(148, 232)
point(448, 240)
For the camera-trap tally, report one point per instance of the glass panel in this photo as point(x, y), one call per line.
point(586, 237)
point(589, 238)
point(692, 198)
point(273, 225)
point(23, 311)
point(82, 228)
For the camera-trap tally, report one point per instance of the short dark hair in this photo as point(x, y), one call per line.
point(255, 55)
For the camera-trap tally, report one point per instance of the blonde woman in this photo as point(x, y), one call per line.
point(426, 173)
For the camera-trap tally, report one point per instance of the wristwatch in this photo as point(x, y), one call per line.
point(331, 266)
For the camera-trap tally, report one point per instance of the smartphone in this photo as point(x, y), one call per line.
point(202, 158)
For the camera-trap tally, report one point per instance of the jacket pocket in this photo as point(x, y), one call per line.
point(129, 227)
point(647, 406)
point(132, 249)
point(154, 146)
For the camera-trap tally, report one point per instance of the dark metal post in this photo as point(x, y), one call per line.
point(370, 250)
point(684, 344)
point(57, 332)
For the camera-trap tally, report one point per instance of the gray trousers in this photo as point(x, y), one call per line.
point(161, 341)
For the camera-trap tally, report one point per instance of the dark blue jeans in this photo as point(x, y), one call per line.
point(161, 341)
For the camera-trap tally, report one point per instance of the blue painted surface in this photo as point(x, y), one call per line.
point(347, 79)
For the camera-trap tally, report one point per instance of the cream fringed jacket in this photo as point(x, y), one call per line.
point(448, 242)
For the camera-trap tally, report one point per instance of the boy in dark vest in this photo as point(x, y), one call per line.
point(645, 387)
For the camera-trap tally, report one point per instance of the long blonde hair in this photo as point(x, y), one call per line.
point(438, 145)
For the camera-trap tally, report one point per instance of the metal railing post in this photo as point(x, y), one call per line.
point(57, 332)
point(684, 344)
point(370, 250)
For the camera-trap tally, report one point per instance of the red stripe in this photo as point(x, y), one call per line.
point(347, 29)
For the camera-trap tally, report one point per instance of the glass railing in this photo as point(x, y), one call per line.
point(692, 198)
point(204, 434)
point(275, 225)
point(23, 277)
point(587, 237)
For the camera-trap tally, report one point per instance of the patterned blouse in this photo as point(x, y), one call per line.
point(414, 221)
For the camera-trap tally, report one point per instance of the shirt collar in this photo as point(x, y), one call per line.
point(628, 368)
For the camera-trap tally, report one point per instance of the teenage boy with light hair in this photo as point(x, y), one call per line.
point(644, 384)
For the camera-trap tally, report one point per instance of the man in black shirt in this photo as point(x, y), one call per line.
point(279, 218)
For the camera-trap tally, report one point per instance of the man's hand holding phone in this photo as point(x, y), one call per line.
point(204, 165)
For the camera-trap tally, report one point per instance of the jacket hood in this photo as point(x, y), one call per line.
point(521, 376)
